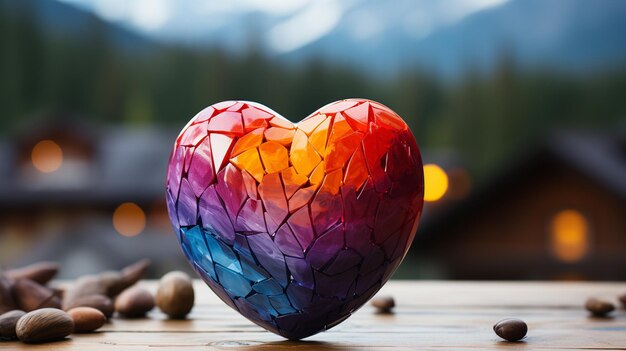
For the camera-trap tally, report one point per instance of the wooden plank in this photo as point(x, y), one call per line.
point(429, 316)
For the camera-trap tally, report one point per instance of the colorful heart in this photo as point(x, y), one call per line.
point(295, 226)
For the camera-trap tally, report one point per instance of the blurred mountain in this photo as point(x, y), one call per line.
point(369, 33)
point(567, 34)
point(61, 20)
point(443, 36)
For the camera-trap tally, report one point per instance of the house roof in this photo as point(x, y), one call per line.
point(601, 158)
point(129, 164)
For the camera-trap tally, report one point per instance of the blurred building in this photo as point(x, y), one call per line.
point(88, 196)
point(558, 213)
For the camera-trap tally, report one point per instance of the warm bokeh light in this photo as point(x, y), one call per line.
point(435, 182)
point(570, 235)
point(129, 219)
point(47, 156)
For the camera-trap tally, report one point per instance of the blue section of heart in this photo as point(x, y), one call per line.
point(235, 275)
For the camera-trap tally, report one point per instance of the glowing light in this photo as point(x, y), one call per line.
point(129, 219)
point(435, 182)
point(47, 156)
point(569, 232)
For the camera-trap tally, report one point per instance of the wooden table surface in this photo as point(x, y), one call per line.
point(429, 316)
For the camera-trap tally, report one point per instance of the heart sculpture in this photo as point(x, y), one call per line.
point(295, 226)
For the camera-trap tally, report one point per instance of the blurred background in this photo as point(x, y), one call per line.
point(519, 108)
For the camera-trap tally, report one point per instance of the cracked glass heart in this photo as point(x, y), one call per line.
point(295, 225)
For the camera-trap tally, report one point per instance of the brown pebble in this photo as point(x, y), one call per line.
point(511, 329)
point(175, 295)
point(99, 302)
point(134, 302)
point(109, 283)
point(7, 303)
point(598, 307)
point(7, 324)
point(383, 304)
point(40, 272)
point(31, 296)
point(86, 319)
point(46, 324)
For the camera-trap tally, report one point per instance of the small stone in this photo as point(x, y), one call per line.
point(175, 296)
point(86, 319)
point(43, 325)
point(383, 304)
point(598, 307)
point(511, 329)
point(109, 283)
point(7, 303)
point(31, 295)
point(40, 272)
point(100, 302)
point(8, 321)
point(134, 302)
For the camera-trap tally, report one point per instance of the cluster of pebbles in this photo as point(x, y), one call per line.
point(34, 312)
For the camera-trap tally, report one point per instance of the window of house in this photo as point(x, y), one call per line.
point(569, 235)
